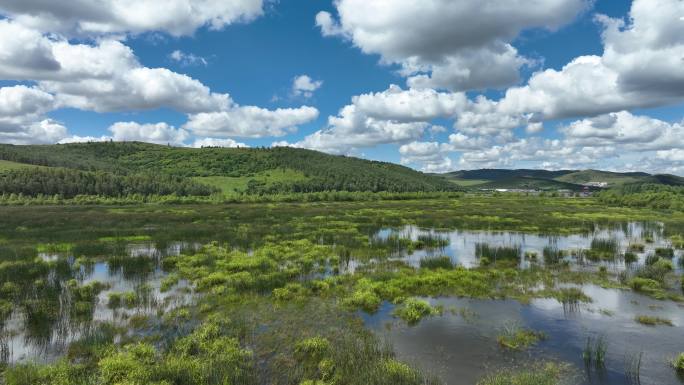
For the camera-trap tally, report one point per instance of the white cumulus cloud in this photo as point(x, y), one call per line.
point(96, 18)
point(160, 133)
point(304, 86)
point(250, 121)
point(457, 45)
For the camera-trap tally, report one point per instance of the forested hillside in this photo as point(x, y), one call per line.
point(658, 196)
point(136, 161)
point(70, 183)
point(553, 180)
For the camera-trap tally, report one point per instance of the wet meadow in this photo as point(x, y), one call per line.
point(454, 290)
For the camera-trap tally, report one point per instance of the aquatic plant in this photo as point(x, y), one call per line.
point(664, 252)
point(441, 262)
point(22, 374)
point(430, 240)
point(630, 257)
point(571, 295)
point(5, 311)
point(168, 282)
point(651, 259)
point(54, 247)
point(677, 241)
point(412, 310)
point(595, 351)
point(649, 287)
point(663, 265)
point(657, 271)
point(542, 374)
point(515, 337)
point(484, 250)
point(552, 255)
point(678, 363)
point(603, 249)
point(652, 320)
point(363, 299)
point(636, 247)
point(600, 351)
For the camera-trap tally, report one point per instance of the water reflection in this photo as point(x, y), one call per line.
point(462, 244)
point(460, 350)
point(51, 318)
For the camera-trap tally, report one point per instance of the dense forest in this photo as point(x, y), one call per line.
point(322, 172)
point(656, 196)
point(71, 183)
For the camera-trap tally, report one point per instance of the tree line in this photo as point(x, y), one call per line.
point(323, 172)
point(71, 183)
point(655, 196)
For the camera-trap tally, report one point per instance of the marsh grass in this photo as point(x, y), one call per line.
point(603, 249)
point(440, 262)
point(271, 270)
point(494, 253)
point(431, 241)
point(541, 374)
point(595, 351)
point(514, 337)
point(630, 257)
point(636, 247)
point(664, 252)
point(678, 363)
point(552, 255)
point(652, 320)
point(413, 310)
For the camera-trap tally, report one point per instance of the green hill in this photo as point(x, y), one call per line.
point(252, 170)
point(530, 183)
point(548, 180)
point(666, 179)
point(596, 176)
point(6, 165)
point(499, 174)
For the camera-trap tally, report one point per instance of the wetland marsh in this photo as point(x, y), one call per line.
point(465, 290)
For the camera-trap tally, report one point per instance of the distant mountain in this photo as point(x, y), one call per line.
point(667, 179)
point(499, 174)
point(530, 183)
point(253, 170)
point(553, 180)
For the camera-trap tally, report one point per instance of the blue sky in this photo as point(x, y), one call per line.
point(232, 79)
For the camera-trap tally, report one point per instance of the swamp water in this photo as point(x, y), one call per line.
point(138, 271)
point(459, 346)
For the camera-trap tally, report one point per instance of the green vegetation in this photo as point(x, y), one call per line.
point(678, 363)
point(516, 338)
point(652, 320)
point(530, 183)
point(657, 196)
point(552, 255)
point(412, 310)
point(552, 180)
point(603, 249)
point(493, 253)
point(595, 352)
point(6, 165)
point(264, 171)
point(442, 262)
point(64, 183)
point(271, 293)
point(542, 374)
point(664, 252)
point(262, 180)
point(596, 176)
